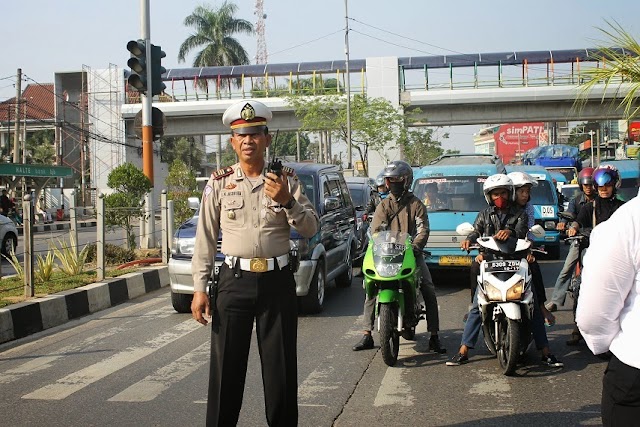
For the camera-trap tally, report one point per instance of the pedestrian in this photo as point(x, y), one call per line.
point(5, 203)
point(608, 312)
point(255, 213)
point(585, 180)
point(402, 211)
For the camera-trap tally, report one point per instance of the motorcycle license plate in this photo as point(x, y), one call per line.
point(455, 260)
point(505, 265)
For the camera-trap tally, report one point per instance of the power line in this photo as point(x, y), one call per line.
point(306, 43)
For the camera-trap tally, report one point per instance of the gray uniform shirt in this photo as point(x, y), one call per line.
point(252, 224)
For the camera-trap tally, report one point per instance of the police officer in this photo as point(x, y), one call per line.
point(254, 210)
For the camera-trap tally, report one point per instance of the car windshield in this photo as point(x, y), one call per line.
point(570, 174)
point(542, 194)
point(358, 196)
point(457, 193)
point(570, 193)
point(306, 182)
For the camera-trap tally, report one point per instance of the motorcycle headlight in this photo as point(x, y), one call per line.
point(492, 293)
point(514, 293)
point(388, 270)
point(549, 225)
point(183, 245)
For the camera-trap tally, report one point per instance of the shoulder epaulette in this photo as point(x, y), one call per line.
point(289, 171)
point(221, 173)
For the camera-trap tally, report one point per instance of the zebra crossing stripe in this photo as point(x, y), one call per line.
point(76, 381)
point(44, 362)
point(152, 386)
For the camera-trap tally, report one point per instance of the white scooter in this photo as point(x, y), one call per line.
point(505, 295)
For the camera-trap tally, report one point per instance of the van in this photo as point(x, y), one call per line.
point(460, 198)
point(469, 159)
point(544, 199)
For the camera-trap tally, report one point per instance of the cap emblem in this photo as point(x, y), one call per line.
point(248, 113)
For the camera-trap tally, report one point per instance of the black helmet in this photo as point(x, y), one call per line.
point(399, 169)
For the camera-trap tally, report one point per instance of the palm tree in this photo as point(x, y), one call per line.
point(621, 64)
point(214, 31)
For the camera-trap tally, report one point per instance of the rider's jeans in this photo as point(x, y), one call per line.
point(564, 278)
point(473, 325)
point(538, 328)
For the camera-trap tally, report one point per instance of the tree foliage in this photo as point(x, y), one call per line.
point(214, 31)
point(39, 147)
point(184, 149)
point(125, 203)
point(622, 66)
point(181, 184)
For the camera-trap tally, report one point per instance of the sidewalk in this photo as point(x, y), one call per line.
point(59, 225)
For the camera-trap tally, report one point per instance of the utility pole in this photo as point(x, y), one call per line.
point(348, 83)
point(16, 135)
point(147, 126)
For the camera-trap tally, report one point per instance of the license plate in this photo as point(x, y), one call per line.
point(457, 260)
point(506, 265)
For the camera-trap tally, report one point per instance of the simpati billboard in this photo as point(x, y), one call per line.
point(634, 132)
point(513, 139)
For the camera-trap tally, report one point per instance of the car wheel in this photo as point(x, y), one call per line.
point(181, 302)
point(344, 279)
point(9, 244)
point(313, 301)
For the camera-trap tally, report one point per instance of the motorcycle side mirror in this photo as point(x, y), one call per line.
point(464, 229)
point(538, 231)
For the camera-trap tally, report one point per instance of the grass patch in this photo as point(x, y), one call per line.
point(12, 288)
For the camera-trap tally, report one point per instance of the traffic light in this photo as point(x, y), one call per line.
point(157, 70)
point(138, 65)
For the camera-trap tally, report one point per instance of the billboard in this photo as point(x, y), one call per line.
point(634, 132)
point(513, 139)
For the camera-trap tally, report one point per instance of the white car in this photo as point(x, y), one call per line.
point(8, 236)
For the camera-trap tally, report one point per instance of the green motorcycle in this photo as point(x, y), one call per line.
point(392, 276)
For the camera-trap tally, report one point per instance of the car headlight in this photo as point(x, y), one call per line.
point(388, 270)
point(492, 293)
point(514, 293)
point(183, 245)
point(549, 225)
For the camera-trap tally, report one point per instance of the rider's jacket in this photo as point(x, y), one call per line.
point(604, 208)
point(408, 215)
point(488, 223)
point(575, 204)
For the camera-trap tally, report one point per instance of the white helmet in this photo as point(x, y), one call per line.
point(521, 179)
point(499, 180)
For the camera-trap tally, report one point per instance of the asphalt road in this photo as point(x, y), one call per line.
point(141, 363)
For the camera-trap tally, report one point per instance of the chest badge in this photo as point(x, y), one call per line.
point(230, 186)
point(231, 214)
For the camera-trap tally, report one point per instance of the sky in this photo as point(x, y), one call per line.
point(43, 37)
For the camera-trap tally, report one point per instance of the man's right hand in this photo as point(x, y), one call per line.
point(465, 245)
point(199, 304)
point(561, 226)
point(571, 232)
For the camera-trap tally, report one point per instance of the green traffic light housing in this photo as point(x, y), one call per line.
point(157, 70)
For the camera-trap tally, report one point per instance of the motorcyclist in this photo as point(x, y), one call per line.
point(585, 180)
point(606, 180)
point(382, 191)
point(501, 219)
point(522, 184)
point(402, 211)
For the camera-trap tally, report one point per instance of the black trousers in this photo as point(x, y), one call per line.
point(270, 299)
point(620, 394)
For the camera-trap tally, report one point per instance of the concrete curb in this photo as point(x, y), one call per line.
point(57, 226)
point(26, 318)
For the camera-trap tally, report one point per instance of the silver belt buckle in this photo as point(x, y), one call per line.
point(258, 265)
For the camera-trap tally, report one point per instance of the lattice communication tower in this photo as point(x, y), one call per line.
point(261, 52)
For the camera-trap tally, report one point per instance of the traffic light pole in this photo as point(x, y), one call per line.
point(147, 241)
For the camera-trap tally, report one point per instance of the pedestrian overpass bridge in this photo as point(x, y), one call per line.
point(449, 90)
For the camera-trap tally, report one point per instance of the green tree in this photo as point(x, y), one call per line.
point(622, 66)
point(286, 145)
point(214, 31)
point(184, 149)
point(125, 203)
point(228, 156)
point(39, 145)
point(181, 184)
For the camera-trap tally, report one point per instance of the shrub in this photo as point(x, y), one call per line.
point(113, 254)
point(46, 266)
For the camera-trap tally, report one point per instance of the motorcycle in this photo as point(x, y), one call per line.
point(505, 295)
point(578, 241)
point(392, 276)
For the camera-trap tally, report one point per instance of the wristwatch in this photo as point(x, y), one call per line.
point(290, 203)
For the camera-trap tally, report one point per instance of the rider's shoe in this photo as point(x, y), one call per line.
point(434, 345)
point(458, 360)
point(575, 339)
point(550, 360)
point(366, 343)
point(551, 306)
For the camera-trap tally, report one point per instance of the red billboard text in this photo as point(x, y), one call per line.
point(515, 138)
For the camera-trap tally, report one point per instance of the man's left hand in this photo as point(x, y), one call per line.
point(277, 188)
point(502, 235)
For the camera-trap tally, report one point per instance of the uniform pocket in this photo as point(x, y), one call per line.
point(232, 211)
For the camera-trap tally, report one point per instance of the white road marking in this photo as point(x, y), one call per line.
point(315, 384)
point(393, 390)
point(76, 381)
point(153, 385)
point(492, 385)
point(40, 363)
